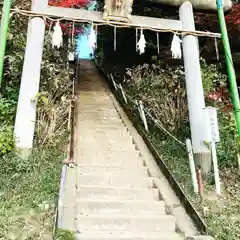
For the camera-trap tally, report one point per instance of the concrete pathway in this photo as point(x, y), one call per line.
point(116, 191)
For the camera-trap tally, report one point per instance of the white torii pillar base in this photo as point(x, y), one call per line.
point(195, 93)
point(26, 110)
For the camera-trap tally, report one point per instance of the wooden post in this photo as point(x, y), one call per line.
point(26, 110)
point(195, 94)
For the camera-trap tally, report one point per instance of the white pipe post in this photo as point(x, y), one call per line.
point(192, 165)
point(143, 116)
point(26, 109)
point(238, 159)
point(123, 93)
point(139, 110)
point(215, 167)
point(195, 94)
point(114, 84)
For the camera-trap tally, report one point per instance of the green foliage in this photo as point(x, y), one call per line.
point(211, 77)
point(99, 57)
point(7, 110)
point(7, 143)
point(213, 82)
point(7, 114)
point(28, 187)
point(10, 84)
point(162, 92)
point(28, 190)
point(64, 235)
point(221, 214)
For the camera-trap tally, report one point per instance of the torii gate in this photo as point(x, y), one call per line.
point(26, 111)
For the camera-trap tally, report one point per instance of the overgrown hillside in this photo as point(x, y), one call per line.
point(29, 187)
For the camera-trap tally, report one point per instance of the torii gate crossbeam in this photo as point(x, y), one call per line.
point(96, 16)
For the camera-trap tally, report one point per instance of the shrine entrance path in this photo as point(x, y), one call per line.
point(115, 190)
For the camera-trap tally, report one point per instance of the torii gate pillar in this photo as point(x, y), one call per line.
point(195, 93)
point(26, 109)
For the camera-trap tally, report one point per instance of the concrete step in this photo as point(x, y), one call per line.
point(101, 122)
point(166, 223)
point(97, 107)
point(87, 129)
point(101, 125)
point(118, 193)
point(106, 170)
point(94, 110)
point(109, 160)
point(92, 88)
point(122, 235)
point(95, 97)
point(86, 207)
point(100, 135)
point(108, 139)
point(87, 143)
point(111, 115)
point(85, 103)
point(115, 181)
point(125, 143)
point(87, 146)
point(125, 146)
point(96, 104)
point(120, 154)
point(100, 118)
point(82, 114)
point(104, 129)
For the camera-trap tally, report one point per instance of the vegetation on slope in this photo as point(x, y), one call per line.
point(29, 187)
point(163, 94)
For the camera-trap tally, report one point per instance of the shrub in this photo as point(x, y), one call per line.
point(162, 92)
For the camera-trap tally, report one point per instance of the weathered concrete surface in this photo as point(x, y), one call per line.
point(110, 189)
point(113, 195)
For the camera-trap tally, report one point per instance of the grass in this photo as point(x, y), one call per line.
point(29, 193)
point(64, 235)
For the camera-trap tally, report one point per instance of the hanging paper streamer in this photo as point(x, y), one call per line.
point(115, 39)
point(141, 43)
point(176, 47)
point(158, 48)
point(73, 32)
point(71, 44)
point(92, 38)
point(136, 39)
point(216, 48)
point(57, 36)
point(96, 32)
point(78, 46)
point(71, 56)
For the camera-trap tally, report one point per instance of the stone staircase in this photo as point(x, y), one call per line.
point(114, 195)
